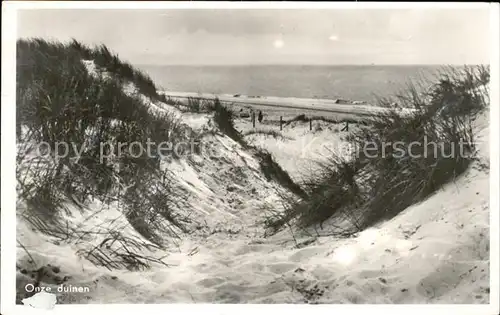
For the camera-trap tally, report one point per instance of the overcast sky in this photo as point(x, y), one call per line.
point(424, 36)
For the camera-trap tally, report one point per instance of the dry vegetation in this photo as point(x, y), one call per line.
point(366, 188)
point(59, 101)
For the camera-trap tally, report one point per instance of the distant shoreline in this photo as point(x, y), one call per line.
point(309, 104)
point(357, 83)
point(305, 65)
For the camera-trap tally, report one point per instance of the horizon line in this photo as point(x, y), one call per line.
point(310, 64)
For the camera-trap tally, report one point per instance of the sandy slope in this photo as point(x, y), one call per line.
point(434, 252)
point(298, 150)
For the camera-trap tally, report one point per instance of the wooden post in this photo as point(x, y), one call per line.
point(18, 130)
point(281, 123)
point(253, 119)
point(346, 127)
point(310, 124)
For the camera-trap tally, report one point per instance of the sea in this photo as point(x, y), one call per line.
point(359, 83)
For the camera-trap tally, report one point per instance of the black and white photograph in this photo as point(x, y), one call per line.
point(253, 154)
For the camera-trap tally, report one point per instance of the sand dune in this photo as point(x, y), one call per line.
point(434, 252)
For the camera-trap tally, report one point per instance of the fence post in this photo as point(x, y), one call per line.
point(18, 130)
point(281, 123)
point(253, 119)
point(346, 127)
point(310, 124)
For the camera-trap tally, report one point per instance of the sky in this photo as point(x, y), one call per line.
point(284, 36)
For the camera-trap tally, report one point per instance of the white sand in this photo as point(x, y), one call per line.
point(434, 252)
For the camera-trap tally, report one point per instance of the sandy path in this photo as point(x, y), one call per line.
point(434, 252)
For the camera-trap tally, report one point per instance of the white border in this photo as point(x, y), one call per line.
point(494, 156)
point(241, 5)
point(8, 164)
point(8, 192)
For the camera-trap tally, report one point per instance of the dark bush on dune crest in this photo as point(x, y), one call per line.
point(224, 118)
point(367, 188)
point(197, 105)
point(58, 101)
point(273, 171)
point(301, 118)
